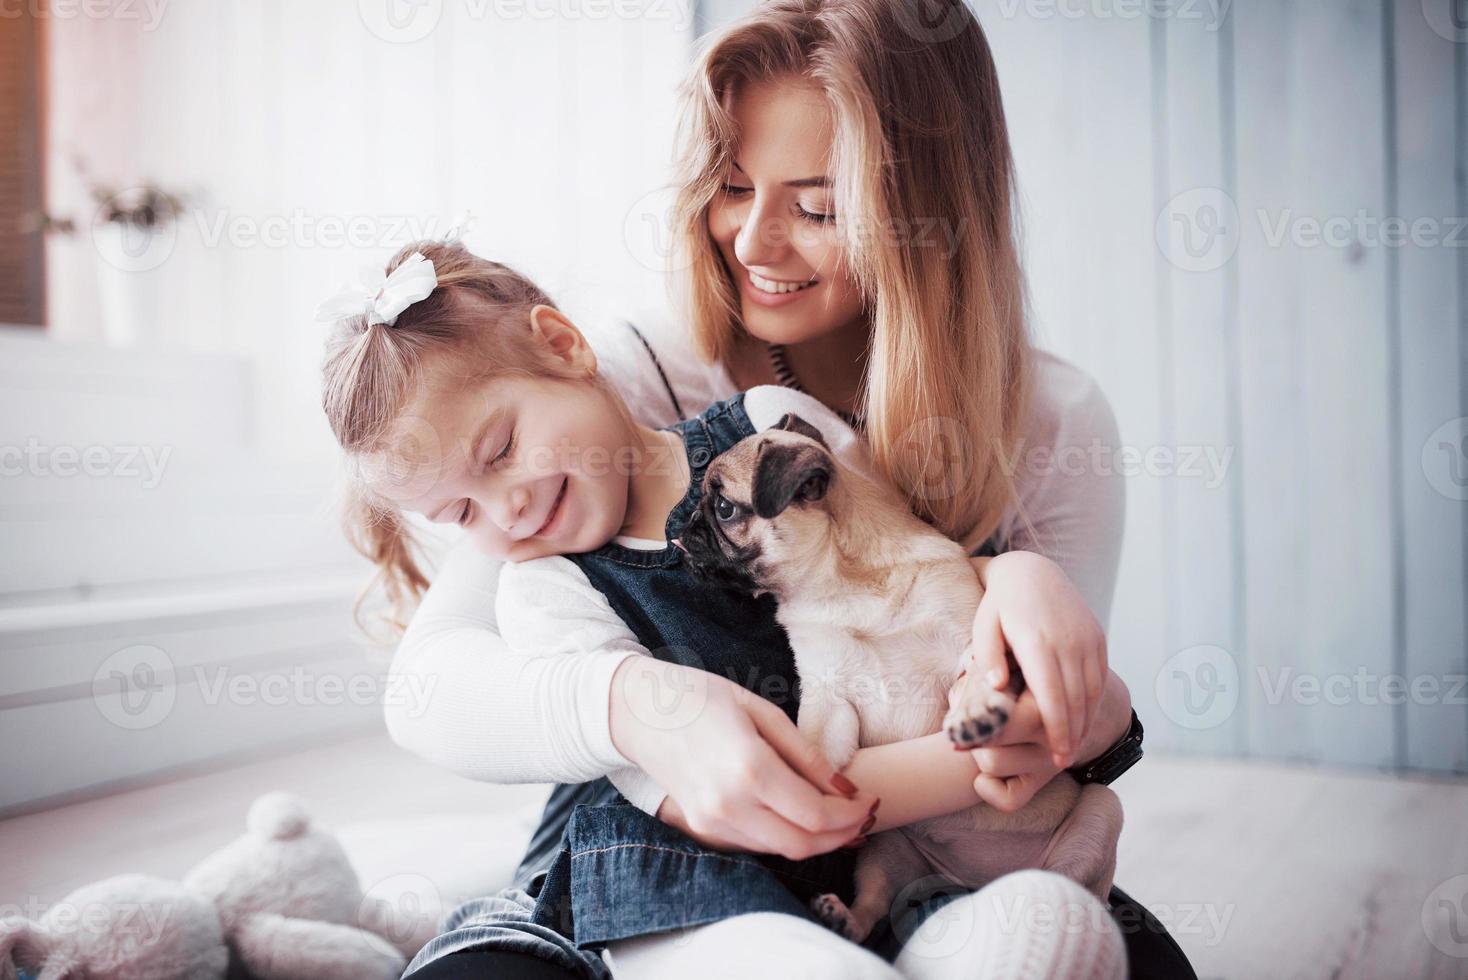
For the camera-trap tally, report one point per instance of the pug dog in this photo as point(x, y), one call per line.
point(879, 607)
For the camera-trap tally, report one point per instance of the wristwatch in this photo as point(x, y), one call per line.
point(1116, 760)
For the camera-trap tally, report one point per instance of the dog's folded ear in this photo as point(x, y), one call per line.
point(794, 423)
point(784, 471)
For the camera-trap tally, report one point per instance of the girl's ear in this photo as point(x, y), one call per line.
point(562, 338)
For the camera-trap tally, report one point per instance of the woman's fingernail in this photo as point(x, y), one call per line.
point(843, 785)
point(870, 820)
point(993, 677)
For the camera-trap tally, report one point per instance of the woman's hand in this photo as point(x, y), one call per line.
point(738, 773)
point(1031, 607)
point(1018, 763)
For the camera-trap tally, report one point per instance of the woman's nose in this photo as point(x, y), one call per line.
point(763, 237)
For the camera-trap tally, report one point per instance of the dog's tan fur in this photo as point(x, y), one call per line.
point(879, 607)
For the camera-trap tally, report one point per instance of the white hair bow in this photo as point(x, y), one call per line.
point(382, 297)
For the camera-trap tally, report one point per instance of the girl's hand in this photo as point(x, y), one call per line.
point(738, 774)
point(1030, 607)
point(1018, 763)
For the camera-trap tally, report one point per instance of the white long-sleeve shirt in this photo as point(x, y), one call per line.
point(509, 714)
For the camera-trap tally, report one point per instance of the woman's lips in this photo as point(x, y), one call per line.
point(763, 298)
point(555, 510)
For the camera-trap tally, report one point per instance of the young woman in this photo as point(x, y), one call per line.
point(847, 228)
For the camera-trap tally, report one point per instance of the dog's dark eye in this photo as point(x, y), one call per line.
point(724, 508)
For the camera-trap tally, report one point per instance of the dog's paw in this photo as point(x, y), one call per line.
point(977, 716)
point(833, 912)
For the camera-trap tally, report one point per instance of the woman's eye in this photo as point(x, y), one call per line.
point(724, 508)
point(818, 217)
point(734, 191)
point(464, 515)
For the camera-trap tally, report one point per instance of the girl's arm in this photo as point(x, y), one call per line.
point(926, 777)
point(460, 697)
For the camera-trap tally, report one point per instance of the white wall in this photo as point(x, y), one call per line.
point(127, 611)
point(1262, 614)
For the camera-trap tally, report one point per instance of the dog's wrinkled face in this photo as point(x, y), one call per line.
point(764, 500)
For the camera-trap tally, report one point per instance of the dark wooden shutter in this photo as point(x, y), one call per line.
point(22, 274)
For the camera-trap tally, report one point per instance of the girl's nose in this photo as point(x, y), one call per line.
point(763, 237)
point(511, 510)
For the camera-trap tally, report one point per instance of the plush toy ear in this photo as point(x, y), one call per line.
point(794, 423)
point(23, 944)
point(783, 472)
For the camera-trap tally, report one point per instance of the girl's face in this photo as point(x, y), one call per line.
point(774, 221)
point(529, 467)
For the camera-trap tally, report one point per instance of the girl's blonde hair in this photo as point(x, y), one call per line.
point(480, 314)
point(919, 137)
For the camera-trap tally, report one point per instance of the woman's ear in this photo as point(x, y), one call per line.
point(560, 335)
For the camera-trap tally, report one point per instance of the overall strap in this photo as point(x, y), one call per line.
point(677, 407)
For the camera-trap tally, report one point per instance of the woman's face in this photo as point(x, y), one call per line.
point(774, 220)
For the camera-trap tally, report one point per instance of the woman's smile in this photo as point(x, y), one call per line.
point(775, 292)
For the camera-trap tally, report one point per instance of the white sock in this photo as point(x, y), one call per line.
point(1025, 925)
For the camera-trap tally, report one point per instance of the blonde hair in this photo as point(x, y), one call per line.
point(919, 135)
point(480, 314)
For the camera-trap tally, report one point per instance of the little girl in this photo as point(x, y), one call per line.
point(466, 397)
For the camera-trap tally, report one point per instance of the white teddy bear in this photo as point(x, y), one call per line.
point(282, 900)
